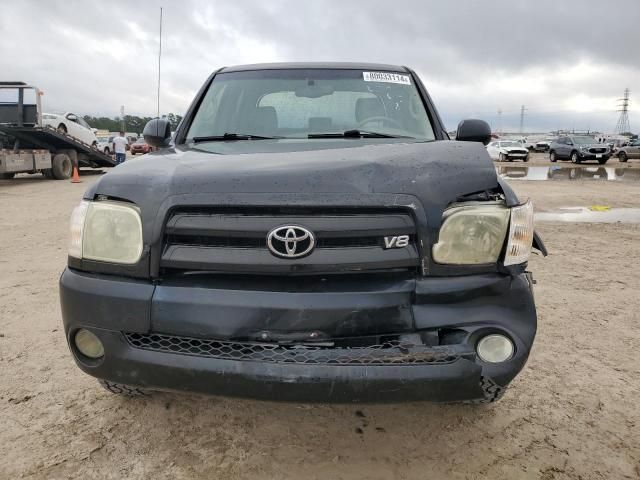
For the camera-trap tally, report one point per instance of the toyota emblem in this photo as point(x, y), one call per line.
point(290, 241)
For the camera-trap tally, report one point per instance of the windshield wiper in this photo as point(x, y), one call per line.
point(355, 134)
point(231, 136)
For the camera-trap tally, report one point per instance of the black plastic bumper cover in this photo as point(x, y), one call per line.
point(478, 304)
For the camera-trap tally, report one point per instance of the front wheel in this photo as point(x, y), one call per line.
point(124, 390)
point(62, 129)
point(622, 157)
point(132, 152)
point(526, 159)
point(107, 151)
point(492, 392)
point(552, 157)
point(502, 157)
point(575, 158)
point(602, 161)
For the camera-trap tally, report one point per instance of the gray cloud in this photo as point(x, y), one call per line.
point(567, 61)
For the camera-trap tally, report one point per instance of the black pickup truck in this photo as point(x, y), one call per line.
point(310, 234)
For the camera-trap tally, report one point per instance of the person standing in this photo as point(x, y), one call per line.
point(120, 145)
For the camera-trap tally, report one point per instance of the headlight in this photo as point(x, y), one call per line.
point(472, 234)
point(584, 148)
point(106, 232)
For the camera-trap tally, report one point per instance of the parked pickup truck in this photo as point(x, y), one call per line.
point(309, 234)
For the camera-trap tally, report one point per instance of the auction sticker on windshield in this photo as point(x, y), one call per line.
point(386, 77)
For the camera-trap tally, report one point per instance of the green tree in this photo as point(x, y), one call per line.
point(174, 120)
point(133, 123)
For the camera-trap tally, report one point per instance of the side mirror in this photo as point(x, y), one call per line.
point(157, 133)
point(473, 130)
point(569, 142)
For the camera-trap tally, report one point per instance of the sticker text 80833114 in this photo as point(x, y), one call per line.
point(386, 77)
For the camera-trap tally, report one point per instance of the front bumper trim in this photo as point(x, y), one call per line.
point(211, 315)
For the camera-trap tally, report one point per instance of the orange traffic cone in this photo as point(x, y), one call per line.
point(76, 176)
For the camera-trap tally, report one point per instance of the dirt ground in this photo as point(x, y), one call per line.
point(573, 413)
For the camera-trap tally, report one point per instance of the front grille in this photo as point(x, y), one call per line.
point(597, 150)
point(235, 240)
point(390, 352)
point(239, 242)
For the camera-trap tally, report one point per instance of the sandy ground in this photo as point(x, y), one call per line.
point(572, 414)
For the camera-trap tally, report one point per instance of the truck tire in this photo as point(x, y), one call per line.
point(122, 389)
point(622, 157)
point(61, 166)
point(492, 392)
point(7, 176)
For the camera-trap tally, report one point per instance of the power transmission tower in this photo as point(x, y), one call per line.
point(623, 121)
point(522, 110)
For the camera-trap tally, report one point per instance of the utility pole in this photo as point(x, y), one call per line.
point(499, 121)
point(122, 124)
point(159, 58)
point(522, 110)
point(623, 107)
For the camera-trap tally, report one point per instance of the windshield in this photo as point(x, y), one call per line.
point(140, 140)
point(509, 144)
point(298, 103)
point(103, 139)
point(584, 140)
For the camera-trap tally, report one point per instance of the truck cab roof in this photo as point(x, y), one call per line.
point(314, 65)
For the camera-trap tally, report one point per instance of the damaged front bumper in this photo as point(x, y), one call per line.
point(338, 338)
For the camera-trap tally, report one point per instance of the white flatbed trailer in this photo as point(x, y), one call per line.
point(26, 146)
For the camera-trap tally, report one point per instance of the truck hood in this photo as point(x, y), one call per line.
point(436, 173)
point(593, 145)
point(514, 149)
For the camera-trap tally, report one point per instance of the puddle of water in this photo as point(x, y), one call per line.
point(586, 215)
point(569, 173)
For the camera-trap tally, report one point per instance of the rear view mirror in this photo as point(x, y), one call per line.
point(474, 130)
point(157, 133)
point(314, 91)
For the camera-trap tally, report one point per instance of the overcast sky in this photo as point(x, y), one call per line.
point(566, 61)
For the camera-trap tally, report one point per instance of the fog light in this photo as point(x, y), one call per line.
point(88, 344)
point(495, 348)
